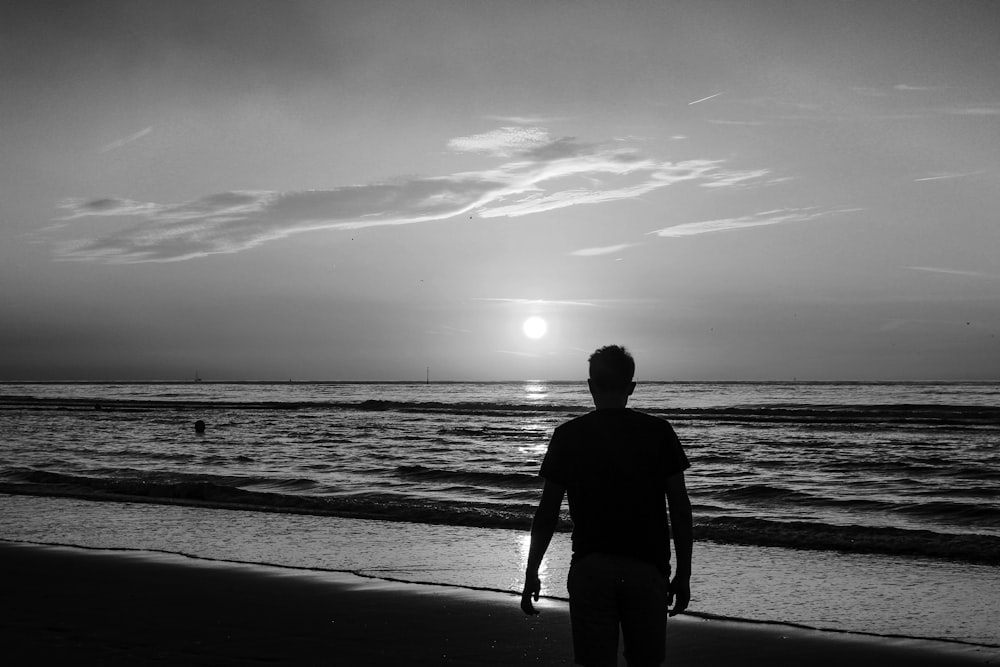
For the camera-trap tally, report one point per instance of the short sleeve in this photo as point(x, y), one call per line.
point(676, 460)
point(555, 465)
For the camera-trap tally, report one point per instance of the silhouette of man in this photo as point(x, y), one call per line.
point(621, 470)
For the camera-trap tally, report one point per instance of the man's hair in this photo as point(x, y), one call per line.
point(611, 368)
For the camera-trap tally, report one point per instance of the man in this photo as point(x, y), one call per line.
point(621, 469)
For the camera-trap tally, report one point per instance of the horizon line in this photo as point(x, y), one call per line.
point(793, 380)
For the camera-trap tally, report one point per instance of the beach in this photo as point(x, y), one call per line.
point(809, 498)
point(84, 606)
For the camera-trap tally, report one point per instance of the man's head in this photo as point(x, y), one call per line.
point(611, 371)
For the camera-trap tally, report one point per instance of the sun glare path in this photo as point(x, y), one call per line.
point(534, 327)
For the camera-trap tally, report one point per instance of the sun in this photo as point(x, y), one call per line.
point(534, 327)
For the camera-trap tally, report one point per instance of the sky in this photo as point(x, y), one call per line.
point(378, 190)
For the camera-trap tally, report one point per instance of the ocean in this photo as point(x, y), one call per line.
point(854, 507)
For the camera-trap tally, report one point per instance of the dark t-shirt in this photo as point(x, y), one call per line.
point(614, 464)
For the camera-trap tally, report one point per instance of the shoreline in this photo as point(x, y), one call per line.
point(362, 577)
point(894, 598)
point(141, 607)
point(968, 548)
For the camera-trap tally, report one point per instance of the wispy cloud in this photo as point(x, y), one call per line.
point(543, 174)
point(118, 143)
point(881, 91)
point(515, 353)
point(79, 208)
point(988, 109)
point(945, 176)
point(954, 272)
point(537, 302)
point(910, 88)
point(646, 175)
point(524, 120)
point(705, 99)
point(993, 110)
point(762, 219)
point(605, 250)
point(748, 123)
point(503, 142)
point(739, 179)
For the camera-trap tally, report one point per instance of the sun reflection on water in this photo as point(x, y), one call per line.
point(536, 391)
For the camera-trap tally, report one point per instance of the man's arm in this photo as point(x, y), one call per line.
point(542, 528)
point(681, 525)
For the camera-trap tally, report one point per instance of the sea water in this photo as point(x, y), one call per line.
point(860, 507)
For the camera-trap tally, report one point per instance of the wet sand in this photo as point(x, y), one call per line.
point(80, 606)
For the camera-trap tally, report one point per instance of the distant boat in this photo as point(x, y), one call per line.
point(197, 378)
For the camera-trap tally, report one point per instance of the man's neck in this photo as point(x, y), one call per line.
point(610, 398)
point(610, 402)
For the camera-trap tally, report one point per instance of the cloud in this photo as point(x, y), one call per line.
point(878, 91)
point(974, 111)
point(953, 272)
point(946, 176)
point(907, 87)
point(748, 123)
point(126, 140)
point(704, 99)
point(536, 302)
point(737, 178)
point(448, 330)
point(763, 219)
point(524, 120)
point(562, 148)
point(605, 250)
point(233, 221)
point(646, 176)
point(503, 142)
point(79, 208)
point(515, 353)
point(543, 176)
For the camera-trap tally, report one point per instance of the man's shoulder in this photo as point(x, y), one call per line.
point(622, 416)
point(588, 420)
point(645, 417)
point(578, 420)
point(573, 425)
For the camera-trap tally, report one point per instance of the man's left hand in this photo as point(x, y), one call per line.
point(532, 589)
point(679, 594)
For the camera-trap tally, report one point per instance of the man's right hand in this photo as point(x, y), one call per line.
point(532, 589)
point(679, 594)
